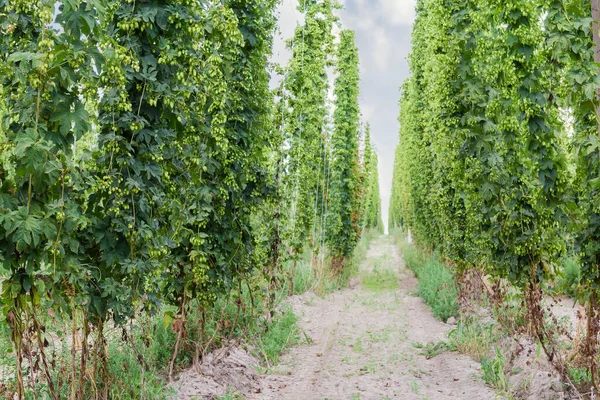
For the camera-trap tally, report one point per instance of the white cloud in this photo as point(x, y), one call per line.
point(381, 48)
point(368, 112)
point(289, 18)
point(399, 12)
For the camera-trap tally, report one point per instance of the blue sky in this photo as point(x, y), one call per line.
point(383, 37)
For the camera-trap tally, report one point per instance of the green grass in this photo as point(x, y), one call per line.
point(569, 278)
point(282, 333)
point(315, 274)
point(381, 277)
point(232, 396)
point(432, 349)
point(579, 376)
point(138, 357)
point(437, 286)
point(473, 338)
point(494, 372)
point(469, 337)
point(305, 276)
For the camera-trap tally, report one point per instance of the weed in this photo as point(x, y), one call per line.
point(369, 368)
point(414, 385)
point(379, 337)
point(437, 286)
point(305, 277)
point(358, 346)
point(494, 371)
point(380, 278)
point(316, 275)
point(432, 349)
point(579, 375)
point(569, 277)
point(282, 334)
point(438, 289)
point(473, 338)
point(232, 396)
point(413, 258)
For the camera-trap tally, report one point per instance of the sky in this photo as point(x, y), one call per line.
point(383, 30)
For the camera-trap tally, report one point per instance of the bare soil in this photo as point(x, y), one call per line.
point(227, 370)
point(361, 345)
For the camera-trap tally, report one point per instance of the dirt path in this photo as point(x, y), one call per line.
point(362, 343)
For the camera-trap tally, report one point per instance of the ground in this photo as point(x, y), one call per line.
point(363, 343)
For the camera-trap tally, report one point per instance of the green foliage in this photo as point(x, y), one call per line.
point(413, 257)
point(494, 373)
point(432, 349)
point(305, 96)
point(282, 334)
point(473, 337)
point(572, 48)
point(482, 176)
point(436, 283)
point(569, 279)
point(154, 207)
point(371, 201)
point(485, 171)
point(438, 289)
point(344, 230)
point(140, 171)
point(305, 276)
point(579, 376)
point(381, 277)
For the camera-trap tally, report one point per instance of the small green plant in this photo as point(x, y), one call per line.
point(414, 385)
point(494, 371)
point(569, 277)
point(579, 375)
point(437, 286)
point(414, 259)
point(473, 338)
point(281, 335)
point(380, 336)
point(232, 396)
point(304, 275)
point(358, 345)
point(438, 289)
point(369, 368)
point(380, 278)
point(432, 349)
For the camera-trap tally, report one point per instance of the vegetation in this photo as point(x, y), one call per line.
point(436, 286)
point(344, 224)
point(497, 168)
point(371, 200)
point(156, 197)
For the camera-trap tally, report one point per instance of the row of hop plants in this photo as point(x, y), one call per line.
point(134, 140)
point(498, 160)
point(146, 169)
point(326, 168)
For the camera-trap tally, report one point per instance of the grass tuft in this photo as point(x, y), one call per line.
point(494, 371)
point(282, 333)
point(473, 338)
point(380, 278)
point(437, 286)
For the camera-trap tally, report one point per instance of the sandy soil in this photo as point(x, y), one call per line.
point(362, 345)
